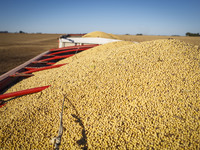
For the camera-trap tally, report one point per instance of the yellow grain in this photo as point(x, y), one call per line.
point(126, 95)
point(101, 35)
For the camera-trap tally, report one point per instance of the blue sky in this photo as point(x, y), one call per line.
point(150, 17)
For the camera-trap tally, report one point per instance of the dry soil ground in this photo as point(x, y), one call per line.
point(16, 49)
point(192, 40)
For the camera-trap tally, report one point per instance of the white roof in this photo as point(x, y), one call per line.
point(88, 40)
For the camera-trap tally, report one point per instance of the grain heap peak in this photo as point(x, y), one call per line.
point(101, 35)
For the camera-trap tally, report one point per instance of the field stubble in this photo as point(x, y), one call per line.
point(16, 49)
point(191, 40)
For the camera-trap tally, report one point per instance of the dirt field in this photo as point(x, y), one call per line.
point(16, 49)
point(192, 40)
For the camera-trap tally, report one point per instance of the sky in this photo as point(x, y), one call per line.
point(148, 17)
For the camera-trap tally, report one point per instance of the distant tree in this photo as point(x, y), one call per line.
point(187, 34)
point(21, 32)
point(3, 31)
point(127, 34)
point(139, 34)
point(175, 35)
point(192, 34)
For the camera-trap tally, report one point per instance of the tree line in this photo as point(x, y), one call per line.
point(192, 34)
point(18, 32)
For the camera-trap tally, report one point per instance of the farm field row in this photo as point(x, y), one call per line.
point(191, 40)
point(16, 49)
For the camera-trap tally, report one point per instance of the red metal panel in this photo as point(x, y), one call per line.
point(23, 92)
point(50, 63)
point(74, 47)
point(65, 51)
point(43, 68)
point(55, 57)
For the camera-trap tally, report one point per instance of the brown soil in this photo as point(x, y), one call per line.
point(191, 40)
point(16, 49)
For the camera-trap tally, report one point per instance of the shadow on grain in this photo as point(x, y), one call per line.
point(83, 141)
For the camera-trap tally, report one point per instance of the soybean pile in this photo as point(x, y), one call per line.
point(101, 34)
point(118, 95)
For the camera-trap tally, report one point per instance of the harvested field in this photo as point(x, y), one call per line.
point(191, 40)
point(118, 96)
point(16, 49)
